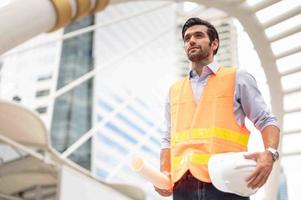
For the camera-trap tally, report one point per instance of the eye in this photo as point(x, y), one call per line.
point(186, 38)
point(199, 35)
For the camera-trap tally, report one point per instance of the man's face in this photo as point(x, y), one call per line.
point(197, 43)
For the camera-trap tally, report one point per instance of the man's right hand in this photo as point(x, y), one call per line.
point(163, 192)
point(165, 169)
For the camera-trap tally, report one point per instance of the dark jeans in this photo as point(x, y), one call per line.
point(190, 188)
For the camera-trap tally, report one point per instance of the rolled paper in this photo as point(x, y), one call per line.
point(157, 178)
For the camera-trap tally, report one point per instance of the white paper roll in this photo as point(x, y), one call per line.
point(154, 176)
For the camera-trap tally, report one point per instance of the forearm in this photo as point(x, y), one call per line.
point(165, 160)
point(265, 160)
point(270, 136)
point(165, 168)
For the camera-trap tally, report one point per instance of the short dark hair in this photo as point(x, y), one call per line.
point(211, 31)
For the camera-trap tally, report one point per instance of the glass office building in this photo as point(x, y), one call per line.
point(72, 111)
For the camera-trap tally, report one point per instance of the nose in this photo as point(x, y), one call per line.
point(192, 41)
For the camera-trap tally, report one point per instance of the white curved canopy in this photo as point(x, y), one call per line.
point(22, 125)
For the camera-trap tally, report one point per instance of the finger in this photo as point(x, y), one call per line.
point(159, 189)
point(250, 182)
point(260, 179)
point(267, 174)
point(253, 175)
point(163, 192)
point(264, 181)
point(256, 181)
point(251, 156)
point(259, 182)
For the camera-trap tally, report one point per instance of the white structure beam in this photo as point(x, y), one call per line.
point(295, 153)
point(295, 11)
point(286, 33)
point(9, 197)
point(89, 29)
point(292, 110)
point(92, 73)
point(263, 4)
point(289, 52)
point(293, 90)
point(292, 71)
point(16, 21)
point(292, 132)
point(96, 128)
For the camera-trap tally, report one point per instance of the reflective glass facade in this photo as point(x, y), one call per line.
point(72, 111)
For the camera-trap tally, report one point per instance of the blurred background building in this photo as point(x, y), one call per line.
point(101, 93)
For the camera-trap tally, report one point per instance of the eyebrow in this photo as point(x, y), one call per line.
point(189, 34)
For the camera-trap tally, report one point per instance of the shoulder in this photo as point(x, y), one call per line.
point(175, 88)
point(179, 82)
point(244, 78)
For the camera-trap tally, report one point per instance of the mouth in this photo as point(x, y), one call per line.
point(192, 48)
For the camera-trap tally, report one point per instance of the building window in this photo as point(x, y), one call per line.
point(109, 142)
point(42, 93)
point(133, 110)
point(17, 98)
point(105, 105)
point(131, 124)
point(124, 134)
point(41, 110)
point(45, 77)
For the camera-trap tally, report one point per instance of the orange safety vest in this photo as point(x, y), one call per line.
point(199, 130)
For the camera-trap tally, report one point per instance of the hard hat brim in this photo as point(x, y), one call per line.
point(228, 171)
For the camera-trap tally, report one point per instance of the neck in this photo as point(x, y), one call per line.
point(198, 66)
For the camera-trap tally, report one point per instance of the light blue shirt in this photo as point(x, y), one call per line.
point(248, 101)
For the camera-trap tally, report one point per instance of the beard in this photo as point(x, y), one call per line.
point(199, 54)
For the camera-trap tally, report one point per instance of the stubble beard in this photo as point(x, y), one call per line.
point(199, 55)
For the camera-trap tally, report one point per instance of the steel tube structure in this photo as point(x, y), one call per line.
point(21, 20)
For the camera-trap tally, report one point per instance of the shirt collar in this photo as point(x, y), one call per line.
point(211, 67)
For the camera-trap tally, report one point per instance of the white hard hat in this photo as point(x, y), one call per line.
point(228, 172)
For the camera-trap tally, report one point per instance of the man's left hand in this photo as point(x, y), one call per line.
point(263, 169)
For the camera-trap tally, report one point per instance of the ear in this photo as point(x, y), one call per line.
point(214, 44)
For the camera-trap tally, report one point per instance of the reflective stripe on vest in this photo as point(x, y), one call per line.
point(199, 159)
point(220, 133)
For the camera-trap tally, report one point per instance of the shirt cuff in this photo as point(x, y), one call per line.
point(269, 124)
point(165, 145)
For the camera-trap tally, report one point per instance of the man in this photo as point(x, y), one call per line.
point(205, 114)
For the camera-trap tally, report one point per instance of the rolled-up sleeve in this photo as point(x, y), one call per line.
point(252, 102)
point(165, 139)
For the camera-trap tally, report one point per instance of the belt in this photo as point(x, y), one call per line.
point(190, 181)
point(188, 176)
